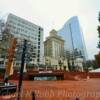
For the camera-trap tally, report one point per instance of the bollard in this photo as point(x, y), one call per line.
point(33, 95)
point(77, 98)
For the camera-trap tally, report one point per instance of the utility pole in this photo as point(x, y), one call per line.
point(21, 70)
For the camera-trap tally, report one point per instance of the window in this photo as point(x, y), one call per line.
point(38, 51)
point(38, 55)
point(38, 39)
point(39, 35)
point(38, 47)
point(1, 62)
point(38, 60)
point(38, 43)
point(39, 32)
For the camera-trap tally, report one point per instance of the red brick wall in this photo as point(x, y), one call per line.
point(67, 75)
point(94, 75)
point(71, 75)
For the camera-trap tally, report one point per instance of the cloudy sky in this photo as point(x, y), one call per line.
point(51, 14)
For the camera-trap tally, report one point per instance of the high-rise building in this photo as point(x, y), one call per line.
point(23, 29)
point(73, 37)
point(54, 49)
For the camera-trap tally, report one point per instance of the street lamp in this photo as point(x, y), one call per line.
point(21, 70)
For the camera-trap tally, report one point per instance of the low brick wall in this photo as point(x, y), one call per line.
point(15, 76)
point(71, 75)
point(66, 75)
point(94, 75)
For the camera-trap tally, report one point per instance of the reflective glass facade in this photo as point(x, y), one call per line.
point(72, 34)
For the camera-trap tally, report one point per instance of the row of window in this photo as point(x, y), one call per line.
point(21, 21)
point(21, 29)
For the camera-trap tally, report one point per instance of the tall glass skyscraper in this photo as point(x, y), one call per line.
point(74, 42)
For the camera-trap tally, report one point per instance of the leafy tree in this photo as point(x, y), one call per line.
point(97, 56)
point(99, 32)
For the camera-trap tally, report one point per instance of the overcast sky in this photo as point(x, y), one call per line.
point(51, 14)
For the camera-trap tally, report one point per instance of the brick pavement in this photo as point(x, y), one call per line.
point(61, 90)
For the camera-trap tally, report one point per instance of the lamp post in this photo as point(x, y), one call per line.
point(21, 70)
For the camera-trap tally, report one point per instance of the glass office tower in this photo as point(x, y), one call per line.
point(74, 42)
